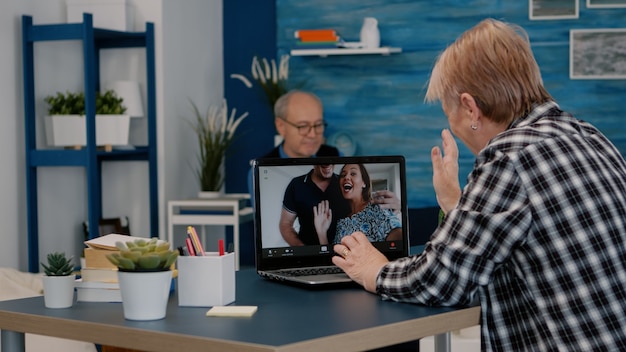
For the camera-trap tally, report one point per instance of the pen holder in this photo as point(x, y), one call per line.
point(206, 281)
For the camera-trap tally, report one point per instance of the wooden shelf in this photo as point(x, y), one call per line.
point(345, 51)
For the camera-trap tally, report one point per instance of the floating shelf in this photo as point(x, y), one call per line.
point(345, 51)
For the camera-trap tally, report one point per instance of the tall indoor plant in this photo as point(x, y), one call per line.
point(216, 133)
point(271, 77)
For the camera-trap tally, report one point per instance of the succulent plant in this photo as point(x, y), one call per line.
point(143, 255)
point(58, 265)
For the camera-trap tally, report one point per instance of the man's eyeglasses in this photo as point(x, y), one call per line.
point(305, 129)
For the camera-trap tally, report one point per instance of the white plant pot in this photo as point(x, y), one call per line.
point(71, 130)
point(58, 291)
point(210, 194)
point(145, 294)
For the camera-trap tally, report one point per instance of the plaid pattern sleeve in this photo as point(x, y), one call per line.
point(539, 235)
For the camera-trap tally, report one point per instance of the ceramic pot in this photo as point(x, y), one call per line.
point(210, 194)
point(70, 130)
point(58, 291)
point(144, 294)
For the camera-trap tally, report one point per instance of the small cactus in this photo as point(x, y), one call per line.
point(143, 255)
point(58, 265)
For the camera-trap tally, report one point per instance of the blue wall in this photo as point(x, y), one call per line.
point(379, 99)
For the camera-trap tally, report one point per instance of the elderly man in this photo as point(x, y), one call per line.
point(299, 119)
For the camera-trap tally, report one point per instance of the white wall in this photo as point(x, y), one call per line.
point(189, 66)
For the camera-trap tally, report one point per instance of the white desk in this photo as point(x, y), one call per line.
point(228, 210)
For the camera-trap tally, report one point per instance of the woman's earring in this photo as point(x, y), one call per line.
point(474, 127)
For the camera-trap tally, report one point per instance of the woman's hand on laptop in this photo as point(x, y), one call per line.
point(360, 260)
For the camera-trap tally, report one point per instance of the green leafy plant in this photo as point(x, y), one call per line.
point(216, 132)
point(58, 265)
point(74, 103)
point(143, 255)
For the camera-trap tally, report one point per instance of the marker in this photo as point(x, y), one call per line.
point(190, 247)
point(220, 245)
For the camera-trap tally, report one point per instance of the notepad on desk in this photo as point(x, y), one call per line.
point(231, 311)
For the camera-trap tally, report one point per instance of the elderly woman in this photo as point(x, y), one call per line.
point(538, 234)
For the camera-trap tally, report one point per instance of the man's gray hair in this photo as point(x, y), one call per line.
point(280, 107)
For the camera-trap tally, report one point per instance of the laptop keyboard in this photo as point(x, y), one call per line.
point(311, 271)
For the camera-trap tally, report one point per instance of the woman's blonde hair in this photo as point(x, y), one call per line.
point(493, 62)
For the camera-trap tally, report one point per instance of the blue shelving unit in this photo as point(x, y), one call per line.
point(89, 157)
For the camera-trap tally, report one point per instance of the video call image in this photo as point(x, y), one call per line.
point(317, 205)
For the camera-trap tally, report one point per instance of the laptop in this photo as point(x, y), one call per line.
point(279, 187)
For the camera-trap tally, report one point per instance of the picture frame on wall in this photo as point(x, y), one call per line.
point(598, 53)
point(552, 9)
point(605, 3)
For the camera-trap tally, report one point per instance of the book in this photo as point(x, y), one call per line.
point(98, 248)
point(316, 45)
point(97, 291)
point(80, 283)
point(99, 274)
point(98, 295)
point(96, 258)
point(317, 35)
point(107, 242)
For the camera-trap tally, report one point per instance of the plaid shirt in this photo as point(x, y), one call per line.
point(540, 234)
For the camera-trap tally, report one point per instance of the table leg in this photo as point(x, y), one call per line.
point(442, 342)
point(236, 242)
point(12, 341)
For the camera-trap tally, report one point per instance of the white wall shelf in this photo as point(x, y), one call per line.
point(385, 50)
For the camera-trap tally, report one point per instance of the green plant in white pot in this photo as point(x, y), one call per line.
point(144, 274)
point(216, 133)
point(58, 282)
point(66, 126)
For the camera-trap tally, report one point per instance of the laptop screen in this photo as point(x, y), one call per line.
point(291, 195)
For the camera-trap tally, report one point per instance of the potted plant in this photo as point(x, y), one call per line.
point(272, 78)
point(144, 274)
point(65, 123)
point(216, 133)
point(58, 282)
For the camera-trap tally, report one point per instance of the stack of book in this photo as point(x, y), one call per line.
point(97, 291)
point(98, 282)
point(317, 38)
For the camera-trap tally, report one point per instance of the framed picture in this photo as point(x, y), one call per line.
point(552, 9)
point(598, 53)
point(605, 3)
